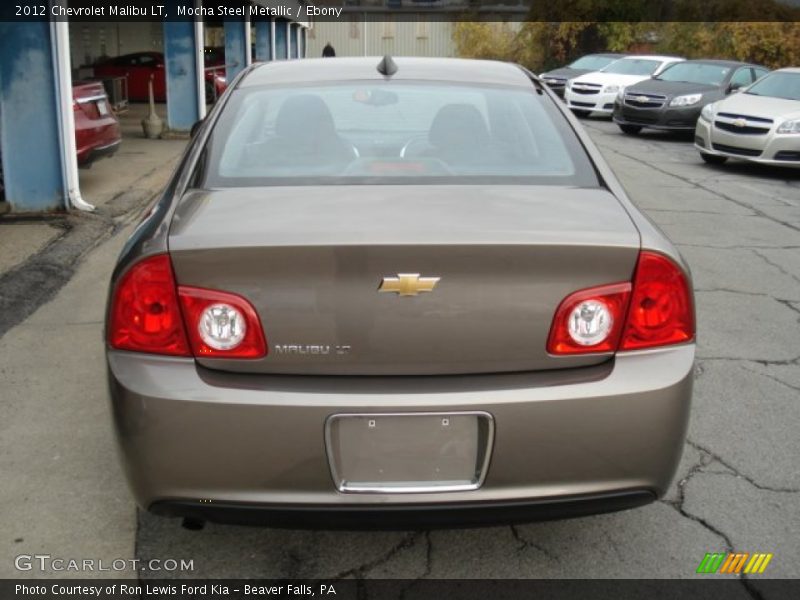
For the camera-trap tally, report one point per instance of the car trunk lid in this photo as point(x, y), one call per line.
point(311, 261)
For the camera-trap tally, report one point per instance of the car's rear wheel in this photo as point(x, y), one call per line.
point(581, 113)
point(630, 129)
point(713, 159)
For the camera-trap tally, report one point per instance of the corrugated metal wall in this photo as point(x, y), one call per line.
point(420, 37)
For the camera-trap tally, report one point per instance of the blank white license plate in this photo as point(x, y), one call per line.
point(409, 452)
point(102, 108)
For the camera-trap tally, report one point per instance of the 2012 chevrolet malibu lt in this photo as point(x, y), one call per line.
point(383, 292)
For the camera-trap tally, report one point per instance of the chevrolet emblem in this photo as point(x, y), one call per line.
point(740, 122)
point(408, 284)
point(642, 99)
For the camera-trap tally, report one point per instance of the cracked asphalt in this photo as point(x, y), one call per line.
point(738, 485)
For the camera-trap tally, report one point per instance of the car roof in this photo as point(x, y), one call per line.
point(311, 70)
point(722, 62)
point(651, 57)
point(788, 70)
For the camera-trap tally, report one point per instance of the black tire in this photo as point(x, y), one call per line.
point(581, 114)
point(713, 159)
point(630, 129)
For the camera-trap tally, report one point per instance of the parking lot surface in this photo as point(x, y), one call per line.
point(738, 486)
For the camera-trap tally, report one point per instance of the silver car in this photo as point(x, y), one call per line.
point(397, 292)
point(760, 124)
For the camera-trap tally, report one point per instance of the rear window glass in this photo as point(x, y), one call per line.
point(394, 132)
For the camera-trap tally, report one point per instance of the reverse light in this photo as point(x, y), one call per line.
point(687, 100)
point(590, 320)
point(789, 127)
point(654, 310)
point(221, 324)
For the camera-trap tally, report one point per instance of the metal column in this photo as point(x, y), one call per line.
point(237, 46)
point(30, 140)
point(263, 29)
point(183, 57)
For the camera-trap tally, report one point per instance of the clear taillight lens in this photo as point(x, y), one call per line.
point(221, 324)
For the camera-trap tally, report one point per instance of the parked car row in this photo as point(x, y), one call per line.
point(735, 109)
point(141, 67)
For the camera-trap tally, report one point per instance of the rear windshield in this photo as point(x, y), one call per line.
point(695, 73)
point(393, 132)
point(777, 85)
point(633, 66)
point(593, 62)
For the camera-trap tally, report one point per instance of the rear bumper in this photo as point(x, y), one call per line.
point(201, 443)
point(404, 517)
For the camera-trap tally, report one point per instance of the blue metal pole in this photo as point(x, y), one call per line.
point(181, 48)
point(292, 40)
point(29, 126)
point(281, 39)
point(303, 42)
point(263, 39)
point(236, 46)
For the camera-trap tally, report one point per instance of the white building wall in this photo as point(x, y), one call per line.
point(420, 37)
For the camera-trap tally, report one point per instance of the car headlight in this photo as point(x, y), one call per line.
point(621, 93)
point(569, 84)
point(609, 89)
point(707, 114)
point(687, 100)
point(792, 126)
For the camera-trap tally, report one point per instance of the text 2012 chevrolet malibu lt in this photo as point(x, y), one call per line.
point(409, 291)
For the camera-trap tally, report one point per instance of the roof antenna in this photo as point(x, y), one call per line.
point(387, 66)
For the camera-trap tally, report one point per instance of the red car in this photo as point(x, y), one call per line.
point(97, 131)
point(141, 66)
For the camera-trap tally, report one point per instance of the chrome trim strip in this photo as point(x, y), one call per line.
point(345, 488)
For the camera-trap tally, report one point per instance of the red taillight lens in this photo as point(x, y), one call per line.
point(145, 315)
point(590, 321)
point(221, 324)
point(656, 310)
point(661, 310)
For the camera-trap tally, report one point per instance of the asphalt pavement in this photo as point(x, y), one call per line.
point(738, 485)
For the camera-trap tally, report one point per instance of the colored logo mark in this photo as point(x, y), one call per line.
point(734, 562)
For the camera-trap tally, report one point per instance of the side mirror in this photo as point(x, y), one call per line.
point(195, 128)
point(735, 87)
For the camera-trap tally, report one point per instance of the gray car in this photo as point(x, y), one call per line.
point(408, 292)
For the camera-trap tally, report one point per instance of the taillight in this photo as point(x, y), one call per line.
point(145, 314)
point(661, 311)
point(590, 320)
point(656, 310)
point(221, 324)
point(150, 313)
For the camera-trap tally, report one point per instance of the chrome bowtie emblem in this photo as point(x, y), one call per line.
point(642, 99)
point(408, 284)
point(740, 122)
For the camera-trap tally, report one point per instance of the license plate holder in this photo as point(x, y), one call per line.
point(409, 452)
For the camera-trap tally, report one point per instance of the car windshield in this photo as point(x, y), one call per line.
point(633, 66)
point(691, 72)
point(777, 85)
point(393, 132)
point(593, 62)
